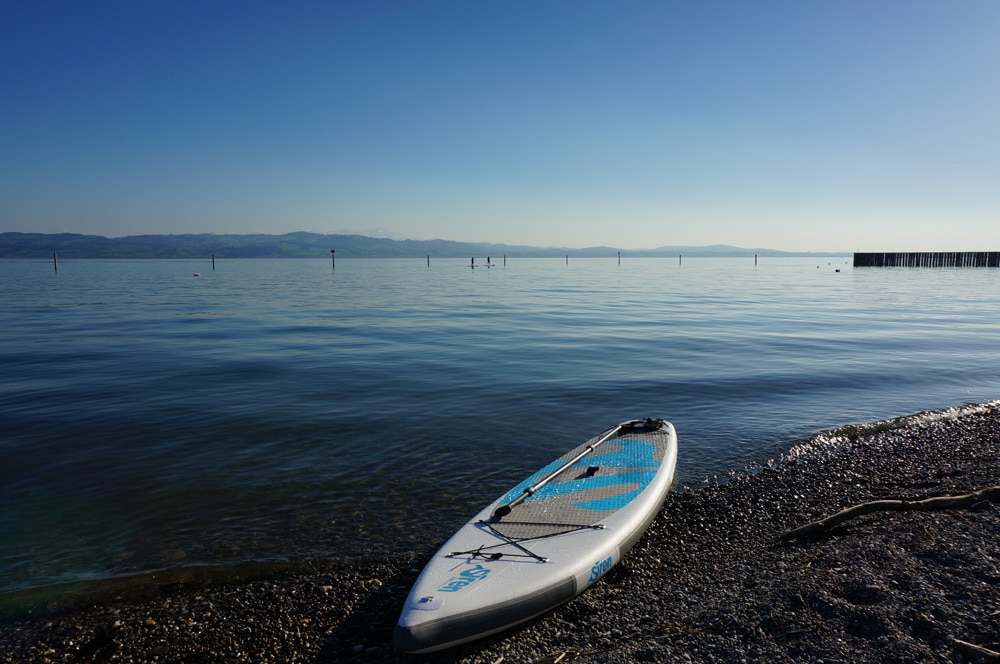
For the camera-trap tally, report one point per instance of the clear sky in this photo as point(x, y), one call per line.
point(842, 125)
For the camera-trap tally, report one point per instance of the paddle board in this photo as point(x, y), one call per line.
point(543, 542)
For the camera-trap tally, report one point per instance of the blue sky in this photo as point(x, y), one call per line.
point(803, 126)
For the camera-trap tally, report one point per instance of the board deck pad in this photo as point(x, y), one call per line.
point(603, 481)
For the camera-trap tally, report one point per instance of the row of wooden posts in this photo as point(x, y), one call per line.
point(472, 262)
point(333, 260)
point(928, 259)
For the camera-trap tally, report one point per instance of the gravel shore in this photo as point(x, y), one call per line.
point(710, 582)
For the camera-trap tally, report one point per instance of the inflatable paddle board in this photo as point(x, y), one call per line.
point(543, 542)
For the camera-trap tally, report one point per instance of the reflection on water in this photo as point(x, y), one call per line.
point(283, 410)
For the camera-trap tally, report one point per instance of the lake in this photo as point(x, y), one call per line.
point(286, 410)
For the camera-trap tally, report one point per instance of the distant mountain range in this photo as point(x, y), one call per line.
point(316, 245)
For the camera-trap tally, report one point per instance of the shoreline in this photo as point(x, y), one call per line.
point(710, 581)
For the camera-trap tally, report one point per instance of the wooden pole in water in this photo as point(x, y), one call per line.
point(333, 258)
point(567, 259)
point(505, 260)
point(428, 260)
point(619, 258)
point(213, 262)
point(678, 259)
point(755, 260)
point(55, 262)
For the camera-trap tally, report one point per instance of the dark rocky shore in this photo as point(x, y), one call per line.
point(711, 581)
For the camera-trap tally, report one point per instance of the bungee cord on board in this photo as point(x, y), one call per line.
point(516, 541)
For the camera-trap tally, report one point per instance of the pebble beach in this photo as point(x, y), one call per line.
point(712, 580)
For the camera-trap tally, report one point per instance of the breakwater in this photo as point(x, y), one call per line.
point(928, 259)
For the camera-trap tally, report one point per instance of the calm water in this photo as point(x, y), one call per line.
point(284, 410)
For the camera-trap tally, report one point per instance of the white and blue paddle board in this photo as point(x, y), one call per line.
point(543, 542)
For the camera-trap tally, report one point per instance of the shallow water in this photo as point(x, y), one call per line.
point(284, 409)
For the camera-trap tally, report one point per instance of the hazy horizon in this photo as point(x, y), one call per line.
point(717, 245)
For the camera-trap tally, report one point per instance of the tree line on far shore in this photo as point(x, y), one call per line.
point(316, 245)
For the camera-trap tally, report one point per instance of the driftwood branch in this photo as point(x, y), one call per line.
point(973, 650)
point(991, 494)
